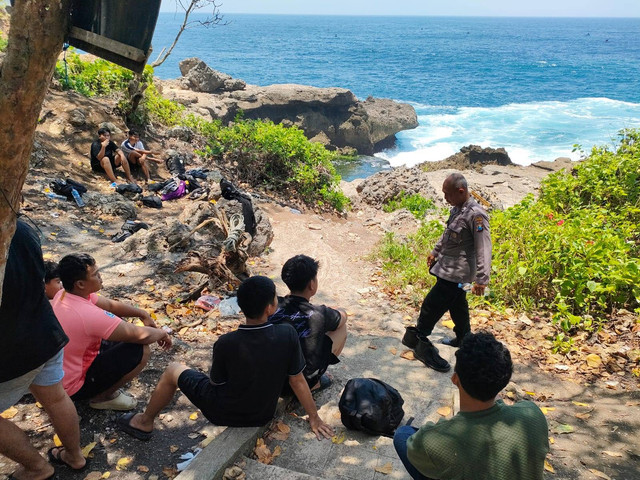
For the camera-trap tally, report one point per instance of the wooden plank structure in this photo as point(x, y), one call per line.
point(116, 30)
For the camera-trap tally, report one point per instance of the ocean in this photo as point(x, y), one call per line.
point(535, 86)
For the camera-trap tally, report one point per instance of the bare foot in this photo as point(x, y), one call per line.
point(24, 474)
point(61, 455)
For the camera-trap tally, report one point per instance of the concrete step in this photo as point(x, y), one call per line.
point(255, 470)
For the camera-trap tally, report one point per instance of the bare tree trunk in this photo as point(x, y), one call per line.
point(36, 34)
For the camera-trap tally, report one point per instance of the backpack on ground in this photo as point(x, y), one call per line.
point(372, 406)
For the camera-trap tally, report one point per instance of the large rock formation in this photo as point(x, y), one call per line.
point(333, 116)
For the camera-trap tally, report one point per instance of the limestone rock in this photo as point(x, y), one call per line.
point(198, 76)
point(78, 117)
point(112, 204)
point(381, 187)
point(181, 133)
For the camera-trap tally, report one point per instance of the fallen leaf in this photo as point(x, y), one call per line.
point(262, 452)
point(600, 474)
point(373, 347)
point(113, 440)
point(583, 416)
point(552, 440)
point(193, 416)
point(533, 394)
point(283, 427)
point(182, 331)
point(338, 438)
point(38, 404)
point(612, 454)
point(173, 448)
point(385, 469)
point(87, 450)
point(546, 410)
point(448, 323)
point(580, 404)
point(444, 411)
point(277, 451)
point(170, 309)
point(10, 413)
point(56, 440)
point(393, 350)
point(170, 472)
point(407, 355)
point(106, 475)
point(123, 463)
point(593, 360)
point(206, 442)
point(93, 476)
point(563, 428)
point(142, 468)
point(548, 467)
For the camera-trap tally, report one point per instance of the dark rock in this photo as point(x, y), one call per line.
point(78, 117)
point(381, 187)
point(198, 76)
point(181, 133)
point(471, 156)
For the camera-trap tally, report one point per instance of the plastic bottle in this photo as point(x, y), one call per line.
point(77, 198)
point(229, 307)
point(55, 196)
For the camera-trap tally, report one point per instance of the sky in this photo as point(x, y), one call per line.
point(492, 8)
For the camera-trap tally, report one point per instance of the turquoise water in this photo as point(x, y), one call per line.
point(533, 86)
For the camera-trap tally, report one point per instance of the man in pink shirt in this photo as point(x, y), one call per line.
point(104, 352)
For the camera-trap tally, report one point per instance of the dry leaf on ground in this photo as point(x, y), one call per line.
point(600, 474)
point(123, 463)
point(407, 355)
point(593, 360)
point(87, 450)
point(444, 411)
point(262, 452)
point(338, 438)
point(56, 440)
point(9, 413)
point(548, 467)
point(93, 476)
point(393, 350)
point(386, 469)
point(193, 416)
point(142, 468)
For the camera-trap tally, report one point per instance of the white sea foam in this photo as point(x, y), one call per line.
point(528, 131)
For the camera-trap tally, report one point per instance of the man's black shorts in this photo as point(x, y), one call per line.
point(198, 388)
point(115, 360)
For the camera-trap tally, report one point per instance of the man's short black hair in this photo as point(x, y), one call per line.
point(483, 365)
point(255, 294)
point(50, 271)
point(133, 133)
point(73, 268)
point(298, 271)
point(103, 130)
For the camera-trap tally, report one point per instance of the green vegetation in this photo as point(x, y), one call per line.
point(415, 203)
point(275, 157)
point(98, 77)
point(574, 251)
point(266, 154)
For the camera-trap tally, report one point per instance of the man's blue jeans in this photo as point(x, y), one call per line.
point(400, 444)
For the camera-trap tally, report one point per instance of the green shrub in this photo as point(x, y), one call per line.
point(97, 77)
point(276, 157)
point(415, 203)
point(3, 41)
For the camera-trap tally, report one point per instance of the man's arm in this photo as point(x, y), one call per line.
point(121, 309)
point(129, 333)
point(301, 389)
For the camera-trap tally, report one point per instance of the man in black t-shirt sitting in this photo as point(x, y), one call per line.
point(248, 371)
point(322, 330)
point(106, 157)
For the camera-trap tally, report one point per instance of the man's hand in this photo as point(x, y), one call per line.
point(105, 142)
point(165, 341)
point(147, 320)
point(320, 428)
point(431, 259)
point(478, 289)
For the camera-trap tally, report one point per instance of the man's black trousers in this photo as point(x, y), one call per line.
point(445, 296)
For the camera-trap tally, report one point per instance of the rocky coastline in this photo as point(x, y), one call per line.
point(331, 116)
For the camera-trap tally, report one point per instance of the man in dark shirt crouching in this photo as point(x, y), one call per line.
point(248, 370)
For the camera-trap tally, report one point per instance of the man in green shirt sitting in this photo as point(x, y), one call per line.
point(486, 439)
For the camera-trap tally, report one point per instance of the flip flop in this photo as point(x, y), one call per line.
point(51, 477)
point(325, 382)
point(57, 460)
point(125, 426)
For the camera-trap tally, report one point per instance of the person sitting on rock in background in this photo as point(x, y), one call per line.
point(31, 357)
point(248, 370)
point(104, 352)
point(486, 440)
point(322, 330)
point(106, 157)
point(133, 149)
point(461, 255)
point(52, 283)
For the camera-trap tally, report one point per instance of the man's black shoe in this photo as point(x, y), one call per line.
point(452, 342)
point(410, 338)
point(428, 354)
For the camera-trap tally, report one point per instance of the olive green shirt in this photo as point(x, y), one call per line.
point(500, 443)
